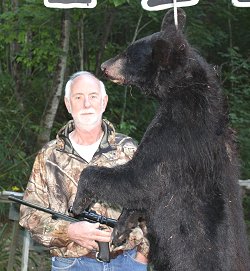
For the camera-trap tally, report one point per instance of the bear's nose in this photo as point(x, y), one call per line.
point(103, 66)
point(104, 69)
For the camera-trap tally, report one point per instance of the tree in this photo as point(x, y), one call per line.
point(47, 120)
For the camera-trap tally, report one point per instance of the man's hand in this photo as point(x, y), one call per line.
point(141, 258)
point(86, 234)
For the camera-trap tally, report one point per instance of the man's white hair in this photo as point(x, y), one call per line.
point(75, 75)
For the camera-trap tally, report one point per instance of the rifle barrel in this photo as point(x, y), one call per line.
point(40, 208)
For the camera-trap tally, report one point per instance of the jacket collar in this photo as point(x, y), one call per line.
point(107, 143)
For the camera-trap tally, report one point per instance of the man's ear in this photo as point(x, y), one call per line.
point(104, 103)
point(67, 104)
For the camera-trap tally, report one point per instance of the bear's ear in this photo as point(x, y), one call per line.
point(169, 54)
point(161, 52)
point(168, 20)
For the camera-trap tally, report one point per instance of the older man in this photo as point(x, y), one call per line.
point(86, 140)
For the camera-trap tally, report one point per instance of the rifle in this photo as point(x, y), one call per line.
point(90, 216)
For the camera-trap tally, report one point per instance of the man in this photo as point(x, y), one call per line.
point(86, 140)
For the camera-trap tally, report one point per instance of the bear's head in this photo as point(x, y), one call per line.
point(149, 61)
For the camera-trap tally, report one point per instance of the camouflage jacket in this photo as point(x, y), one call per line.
point(53, 184)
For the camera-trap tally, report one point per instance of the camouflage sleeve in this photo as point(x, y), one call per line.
point(143, 247)
point(128, 144)
point(43, 229)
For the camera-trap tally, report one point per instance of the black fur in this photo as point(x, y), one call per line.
point(185, 172)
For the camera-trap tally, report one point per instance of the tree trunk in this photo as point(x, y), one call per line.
point(81, 41)
point(57, 86)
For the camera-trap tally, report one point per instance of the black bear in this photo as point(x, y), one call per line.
point(186, 169)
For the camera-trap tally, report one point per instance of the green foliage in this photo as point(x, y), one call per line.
point(129, 110)
point(118, 2)
point(14, 127)
point(3, 246)
point(246, 204)
point(236, 70)
point(36, 31)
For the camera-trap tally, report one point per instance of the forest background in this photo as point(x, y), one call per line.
point(41, 47)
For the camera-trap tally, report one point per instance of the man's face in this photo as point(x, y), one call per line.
point(86, 104)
